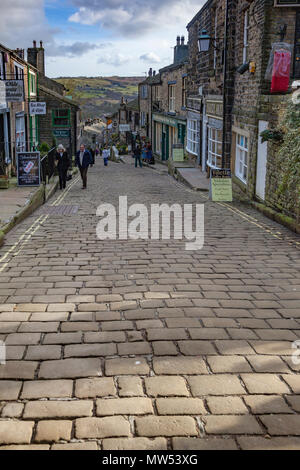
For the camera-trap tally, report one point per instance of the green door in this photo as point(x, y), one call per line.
point(167, 142)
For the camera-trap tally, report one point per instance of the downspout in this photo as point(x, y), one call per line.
point(224, 84)
point(29, 117)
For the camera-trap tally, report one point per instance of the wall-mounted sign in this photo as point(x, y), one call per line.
point(14, 90)
point(28, 168)
point(220, 185)
point(37, 108)
point(61, 132)
point(124, 127)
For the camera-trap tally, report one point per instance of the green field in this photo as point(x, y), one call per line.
point(98, 96)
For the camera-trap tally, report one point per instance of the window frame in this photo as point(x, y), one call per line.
point(32, 80)
point(17, 69)
point(62, 117)
point(193, 140)
point(241, 149)
point(212, 144)
point(172, 99)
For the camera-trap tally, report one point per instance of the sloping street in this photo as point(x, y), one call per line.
point(140, 344)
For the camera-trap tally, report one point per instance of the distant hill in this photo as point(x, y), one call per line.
point(98, 96)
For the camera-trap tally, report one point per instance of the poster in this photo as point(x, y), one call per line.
point(221, 185)
point(14, 91)
point(178, 153)
point(28, 168)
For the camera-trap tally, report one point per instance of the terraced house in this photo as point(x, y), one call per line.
point(234, 94)
point(18, 130)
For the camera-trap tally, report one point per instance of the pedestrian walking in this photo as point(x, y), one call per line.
point(83, 160)
point(62, 162)
point(105, 155)
point(137, 155)
point(92, 152)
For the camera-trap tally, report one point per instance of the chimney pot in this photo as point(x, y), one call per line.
point(150, 72)
point(154, 73)
point(178, 40)
point(34, 44)
point(182, 40)
point(41, 44)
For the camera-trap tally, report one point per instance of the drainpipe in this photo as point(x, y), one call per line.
point(224, 84)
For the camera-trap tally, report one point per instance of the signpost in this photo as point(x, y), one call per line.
point(14, 90)
point(37, 108)
point(220, 185)
point(28, 168)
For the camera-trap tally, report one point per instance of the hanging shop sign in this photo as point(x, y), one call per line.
point(37, 108)
point(220, 185)
point(14, 90)
point(28, 168)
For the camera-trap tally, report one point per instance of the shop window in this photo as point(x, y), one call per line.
point(60, 117)
point(241, 161)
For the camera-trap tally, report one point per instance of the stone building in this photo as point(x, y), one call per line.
point(18, 130)
point(61, 123)
point(229, 136)
point(162, 101)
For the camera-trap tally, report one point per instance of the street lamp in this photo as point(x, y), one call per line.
point(203, 41)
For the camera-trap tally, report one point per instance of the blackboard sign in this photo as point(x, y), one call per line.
point(28, 168)
point(220, 185)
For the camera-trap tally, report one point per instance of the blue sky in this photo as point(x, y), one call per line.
point(98, 37)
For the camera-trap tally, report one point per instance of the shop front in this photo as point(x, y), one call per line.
point(168, 131)
point(212, 135)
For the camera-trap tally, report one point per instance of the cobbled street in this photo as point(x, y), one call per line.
point(141, 344)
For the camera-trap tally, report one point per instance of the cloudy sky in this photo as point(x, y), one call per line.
point(98, 37)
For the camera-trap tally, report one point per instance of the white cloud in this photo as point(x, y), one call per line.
point(150, 57)
point(137, 17)
point(21, 22)
point(115, 59)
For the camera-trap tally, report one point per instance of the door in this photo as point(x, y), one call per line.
point(261, 167)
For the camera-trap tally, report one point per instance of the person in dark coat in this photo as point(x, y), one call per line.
point(83, 160)
point(92, 152)
point(137, 154)
point(63, 163)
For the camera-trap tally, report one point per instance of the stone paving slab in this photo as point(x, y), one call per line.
point(141, 344)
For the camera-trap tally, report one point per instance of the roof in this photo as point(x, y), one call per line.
point(134, 104)
point(17, 57)
point(153, 80)
point(171, 67)
point(58, 96)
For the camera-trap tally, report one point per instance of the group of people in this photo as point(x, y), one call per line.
point(85, 157)
point(143, 153)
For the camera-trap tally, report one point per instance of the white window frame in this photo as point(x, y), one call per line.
point(20, 134)
point(241, 157)
point(193, 140)
point(143, 119)
point(32, 74)
point(19, 68)
point(172, 99)
point(212, 144)
point(246, 36)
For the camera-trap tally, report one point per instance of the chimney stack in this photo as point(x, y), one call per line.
point(36, 57)
point(150, 72)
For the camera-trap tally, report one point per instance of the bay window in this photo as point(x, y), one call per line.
point(193, 137)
